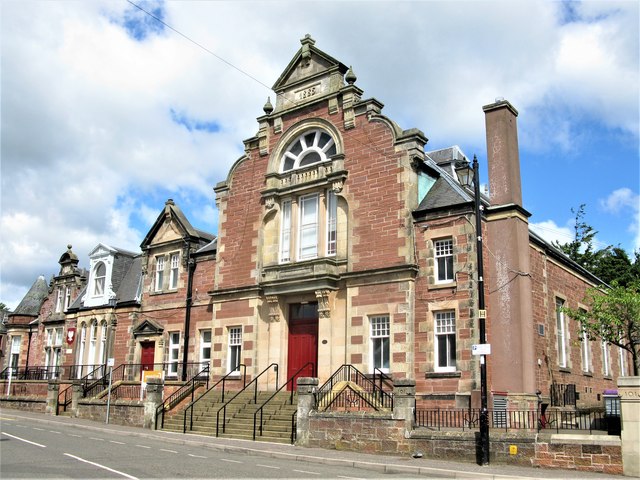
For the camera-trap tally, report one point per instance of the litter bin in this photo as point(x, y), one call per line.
point(612, 412)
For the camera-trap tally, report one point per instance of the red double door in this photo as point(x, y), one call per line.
point(303, 341)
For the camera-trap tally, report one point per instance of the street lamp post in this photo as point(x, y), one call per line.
point(467, 176)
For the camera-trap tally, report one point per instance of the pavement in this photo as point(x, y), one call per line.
point(390, 464)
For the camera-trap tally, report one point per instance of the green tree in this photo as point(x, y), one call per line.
point(581, 249)
point(614, 316)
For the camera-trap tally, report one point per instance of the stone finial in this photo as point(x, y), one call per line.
point(350, 77)
point(307, 42)
point(268, 108)
point(169, 202)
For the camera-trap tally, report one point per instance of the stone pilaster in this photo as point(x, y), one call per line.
point(77, 392)
point(155, 392)
point(307, 387)
point(629, 391)
point(53, 390)
point(404, 402)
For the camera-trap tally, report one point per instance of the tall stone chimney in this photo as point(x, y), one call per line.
point(509, 305)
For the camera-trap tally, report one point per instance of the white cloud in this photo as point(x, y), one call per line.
point(90, 151)
point(553, 233)
point(621, 201)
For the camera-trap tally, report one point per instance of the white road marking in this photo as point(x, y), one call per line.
point(119, 443)
point(53, 431)
point(102, 466)
point(351, 478)
point(229, 460)
point(195, 456)
point(23, 440)
point(142, 446)
point(268, 466)
point(169, 451)
point(74, 435)
point(40, 429)
point(96, 438)
point(308, 473)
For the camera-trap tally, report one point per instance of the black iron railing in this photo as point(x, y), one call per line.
point(253, 382)
point(358, 390)
point(65, 396)
point(507, 420)
point(231, 376)
point(37, 372)
point(202, 377)
point(257, 426)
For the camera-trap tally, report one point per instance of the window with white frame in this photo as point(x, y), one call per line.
point(53, 350)
point(445, 341)
point(82, 345)
point(103, 343)
point(622, 359)
point(311, 147)
point(14, 359)
point(59, 299)
point(308, 227)
point(315, 234)
point(159, 273)
point(174, 353)
point(606, 358)
point(99, 279)
point(444, 260)
point(561, 333)
point(67, 297)
point(93, 343)
point(205, 347)
point(380, 342)
point(585, 349)
point(235, 349)
point(173, 273)
point(332, 223)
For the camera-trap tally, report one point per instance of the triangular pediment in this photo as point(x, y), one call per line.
point(147, 327)
point(101, 250)
point(170, 225)
point(307, 65)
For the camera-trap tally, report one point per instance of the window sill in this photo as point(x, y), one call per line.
point(587, 374)
point(564, 369)
point(161, 292)
point(437, 286)
point(442, 375)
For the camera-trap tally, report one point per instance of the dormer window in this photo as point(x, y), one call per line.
point(311, 147)
point(99, 279)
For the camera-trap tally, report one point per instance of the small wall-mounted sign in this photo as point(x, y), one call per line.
point(513, 449)
point(481, 349)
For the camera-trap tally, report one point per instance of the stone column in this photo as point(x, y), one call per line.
point(629, 391)
point(404, 402)
point(307, 387)
point(77, 392)
point(155, 392)
point(53, 390)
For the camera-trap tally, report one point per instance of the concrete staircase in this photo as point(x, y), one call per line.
point(276, 417)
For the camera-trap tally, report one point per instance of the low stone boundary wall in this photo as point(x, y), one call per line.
point(30, 404)
point(121, 412)
point(590, 453)
point(25, 388)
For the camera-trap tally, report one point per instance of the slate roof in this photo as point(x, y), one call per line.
point(33, 300)
point(446, 191)
point(209, 247)
point(130, 284)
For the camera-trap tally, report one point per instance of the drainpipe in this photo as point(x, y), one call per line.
point(191, 267)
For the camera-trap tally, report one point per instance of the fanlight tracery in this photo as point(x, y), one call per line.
point(311, 147)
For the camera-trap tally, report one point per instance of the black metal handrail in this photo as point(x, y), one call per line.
point(290, 381)
point(349, 373)
point(294, 427)
point(558, 420)
point(223, 409)
point(181, 393)
point(67, 391)
point(221, 381)
point(383, 378)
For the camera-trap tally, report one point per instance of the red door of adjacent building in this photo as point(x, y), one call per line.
point(147, 355)
point(303, 341)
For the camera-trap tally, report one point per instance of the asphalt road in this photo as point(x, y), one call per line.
point(32, 449)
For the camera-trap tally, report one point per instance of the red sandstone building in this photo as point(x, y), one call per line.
point(343, 240)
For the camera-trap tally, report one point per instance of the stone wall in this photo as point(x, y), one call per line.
point(130, 413)
point(591, 453)
point(31, 404)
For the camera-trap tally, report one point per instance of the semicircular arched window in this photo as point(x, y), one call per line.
point(311, 147)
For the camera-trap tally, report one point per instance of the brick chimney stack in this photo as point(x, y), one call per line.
point(502, 149)
point(508, 285)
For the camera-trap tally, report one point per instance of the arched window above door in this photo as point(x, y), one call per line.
point(311, 147)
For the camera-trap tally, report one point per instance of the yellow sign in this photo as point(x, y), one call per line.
point(147, 374)
point(513, 449)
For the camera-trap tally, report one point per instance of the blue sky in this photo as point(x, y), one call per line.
point(115, 112)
